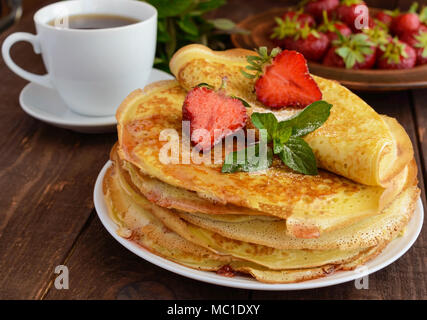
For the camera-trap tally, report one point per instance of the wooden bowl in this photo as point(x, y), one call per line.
point(261, 26)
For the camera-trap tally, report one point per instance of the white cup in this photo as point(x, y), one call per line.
point(92, 70)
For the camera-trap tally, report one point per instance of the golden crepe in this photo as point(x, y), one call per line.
point(271, 231)
point(137, 221)
point(355, 141)
point(311, 204)
point(363, 234)
point(272, 258)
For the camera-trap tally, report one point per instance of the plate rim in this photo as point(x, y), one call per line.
point(240, 282)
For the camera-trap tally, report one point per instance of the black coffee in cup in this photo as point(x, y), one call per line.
point(93, 21)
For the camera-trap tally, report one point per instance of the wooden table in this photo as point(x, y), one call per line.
point(48, 219)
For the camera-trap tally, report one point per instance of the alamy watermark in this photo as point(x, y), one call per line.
point(62, 280)
point(362, 20)
point(178, 148)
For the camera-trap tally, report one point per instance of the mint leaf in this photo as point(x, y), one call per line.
point(253, 158)
point(297, 155)
point(267, 121)
point(245, 104)
point(204, 84)
point(308, 120)
point(281, 137)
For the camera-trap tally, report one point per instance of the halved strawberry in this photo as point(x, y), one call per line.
point(283, 81)
point(353, 52)
point(396, 55)
point(316, 7)
point(213, 115)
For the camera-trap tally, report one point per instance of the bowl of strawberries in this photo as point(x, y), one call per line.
point(364, 48)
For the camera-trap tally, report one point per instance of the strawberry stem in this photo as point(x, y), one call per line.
point(256, 63)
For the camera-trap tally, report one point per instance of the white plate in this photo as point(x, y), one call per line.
point(45, 104)
point(393, 252)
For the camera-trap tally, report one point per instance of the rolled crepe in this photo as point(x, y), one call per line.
point(355, 142)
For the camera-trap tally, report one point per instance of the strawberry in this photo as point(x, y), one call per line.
point(356, 51)
point(300, 18)
point(387, 16)
point(330, 28)
point(396, 55)
point(316, 7)
point(283, 79)
point(418, 40)
point(220, 115)
point(309, 42)
point(423, 17)
point(406, 22)
point(349, 11)
point(284, 28)
point(288, 25)
point(378, 35)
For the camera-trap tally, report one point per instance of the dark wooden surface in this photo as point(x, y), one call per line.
point(47, 216)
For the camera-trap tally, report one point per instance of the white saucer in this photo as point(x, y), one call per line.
point(44, 104)
point(390, 254)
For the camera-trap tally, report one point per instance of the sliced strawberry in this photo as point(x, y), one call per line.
point(287, 82)
point(316, 8)
point(396, 55)
point(215, 112)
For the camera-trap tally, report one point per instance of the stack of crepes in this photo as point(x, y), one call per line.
point(276, 225)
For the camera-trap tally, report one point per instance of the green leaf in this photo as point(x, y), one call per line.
point(245, 104)
point(205, 6)
point(223, 24)
point(263, 52)
point(247, 75)
point(171, 45)
point(253, 158)
point(204, 84)
point(267, 121)
point(309, 119)
point(167, 8)
point(158, 60)
point(281, 137)
point(297, 155)
point(187, 25)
